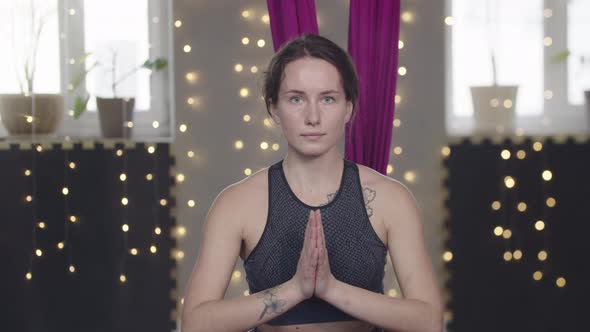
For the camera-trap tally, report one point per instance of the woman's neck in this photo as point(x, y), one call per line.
point(314, 177)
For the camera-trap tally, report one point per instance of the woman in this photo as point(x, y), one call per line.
point(313, 229)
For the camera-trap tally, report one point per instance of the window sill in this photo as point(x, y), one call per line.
point(88, 128)
point(571, 124)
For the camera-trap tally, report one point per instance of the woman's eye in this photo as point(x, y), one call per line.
point(329, 99)
point(295, 99)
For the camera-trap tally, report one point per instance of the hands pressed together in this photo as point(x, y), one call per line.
point(313, 275)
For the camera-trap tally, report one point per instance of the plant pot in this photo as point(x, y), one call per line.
point(114, 115)
point(493, 107)
point(16, 110)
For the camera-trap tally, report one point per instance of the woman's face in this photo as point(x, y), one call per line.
point(312, 109)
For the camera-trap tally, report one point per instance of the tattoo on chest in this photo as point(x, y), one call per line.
point(330, 198)
point(272, 304)
point(369, 196)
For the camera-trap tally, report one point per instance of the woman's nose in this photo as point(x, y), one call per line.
point(312, 114)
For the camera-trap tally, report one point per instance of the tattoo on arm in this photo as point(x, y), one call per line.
point(369, 195)
point(272, 304)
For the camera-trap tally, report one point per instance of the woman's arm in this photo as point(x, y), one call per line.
point(421, 308)
point(204, 306)
point(241, 313)
point(389, 313)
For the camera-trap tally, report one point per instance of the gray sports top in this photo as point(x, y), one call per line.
point(356, 254)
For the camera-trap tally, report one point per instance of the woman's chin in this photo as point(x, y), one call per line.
point(307, 150)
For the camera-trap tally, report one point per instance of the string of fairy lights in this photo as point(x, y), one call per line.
point(153, 249)
point(549, 202)
point(31, 198)
point(509, 197)
point(125, 227)
point(410, 176)
point(68, 167)
point(72, 219)
point(39, 223)
point(253, 16)
point(157, 203)
point(540, 225)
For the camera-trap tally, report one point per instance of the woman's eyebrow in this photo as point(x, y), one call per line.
point(329, 92)
point(302, 93)
point(294, 91)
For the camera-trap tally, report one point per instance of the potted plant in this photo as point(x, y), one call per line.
point(493, 105)
point(114, 112)
point(27, 113)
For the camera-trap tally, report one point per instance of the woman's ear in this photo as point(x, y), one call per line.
point(274, 113)
point(349, 108)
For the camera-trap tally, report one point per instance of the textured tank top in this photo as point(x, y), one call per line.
point(355, 252)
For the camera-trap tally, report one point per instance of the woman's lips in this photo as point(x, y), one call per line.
point(312, 137)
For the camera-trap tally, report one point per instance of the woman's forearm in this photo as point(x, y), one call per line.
point(241, 313)
point(391, 314)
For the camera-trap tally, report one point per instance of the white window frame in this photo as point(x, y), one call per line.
point(558, 116)
point(162, 103)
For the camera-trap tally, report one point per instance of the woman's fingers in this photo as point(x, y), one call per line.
point(314, 230)
point(306, 267)
point(321, 240)
point(321, 249)
point(311, 242)
point(307, 236)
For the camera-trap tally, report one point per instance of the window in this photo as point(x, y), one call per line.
point(125, 39)
point(523, 37)
point(511, 31)
point(579, 61)
point(16, 36)
point(128, 32)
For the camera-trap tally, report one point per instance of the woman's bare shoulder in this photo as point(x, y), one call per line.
point(385, 192)
point(247, 190)
point(239, 202)
point(370, 177)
